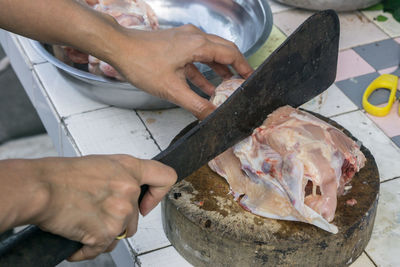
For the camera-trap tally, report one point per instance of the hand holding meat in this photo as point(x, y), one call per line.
point(91, 199)
point(156, 61)
point(160, 61)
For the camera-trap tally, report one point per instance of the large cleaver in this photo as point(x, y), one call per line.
point(300, 69)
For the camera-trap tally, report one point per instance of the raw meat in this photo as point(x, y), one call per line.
point(135, 14)
point(293, 167)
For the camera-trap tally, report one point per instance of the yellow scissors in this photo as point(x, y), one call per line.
point(386, 81)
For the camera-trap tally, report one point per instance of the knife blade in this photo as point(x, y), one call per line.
point(300, 69)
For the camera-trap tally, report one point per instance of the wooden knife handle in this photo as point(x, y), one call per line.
point(34, 247)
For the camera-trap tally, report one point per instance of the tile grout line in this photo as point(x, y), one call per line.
point(84, 112)
point(344, 113)
point(151, 251)
point(391, 179)
point(148, 130)
point(69, 136)
point(369, 257)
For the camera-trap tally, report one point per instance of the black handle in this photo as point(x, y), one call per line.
point(143, 190)
point(34, 247)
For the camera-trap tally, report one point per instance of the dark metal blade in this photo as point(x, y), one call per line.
point(300, 69)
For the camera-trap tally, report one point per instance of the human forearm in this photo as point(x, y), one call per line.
point(65, 22)
point(22, 195)
point(158, 62)
point(90, 199)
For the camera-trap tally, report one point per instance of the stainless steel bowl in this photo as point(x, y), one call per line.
point(248, 23)
point(338, 5)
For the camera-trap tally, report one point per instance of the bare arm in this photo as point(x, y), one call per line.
point(158, 62)
point(90, 199)
point(67, 22)
point(22, 195)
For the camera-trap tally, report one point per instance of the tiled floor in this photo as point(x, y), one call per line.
point(350, 64)
point(368, 49)
point(355, 28)
point(391, 27)
point(385, 241)
point(274, 40)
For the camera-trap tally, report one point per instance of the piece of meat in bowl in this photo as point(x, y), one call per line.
point(134, 14)
point(293, 167)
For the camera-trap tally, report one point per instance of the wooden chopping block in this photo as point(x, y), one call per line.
point(208, 228)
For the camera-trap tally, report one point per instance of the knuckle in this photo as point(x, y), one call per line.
point(131, 188)
point(200, 40)
point(121, 207)
point(234, 46)
point(114, 229)
point(190, 28)
point(171, 176)
point(125, 186)
point(121, 157)
point(92, 239)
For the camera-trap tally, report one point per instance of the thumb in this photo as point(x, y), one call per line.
point(185, 97)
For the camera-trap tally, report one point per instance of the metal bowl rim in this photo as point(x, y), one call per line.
point(82, 75)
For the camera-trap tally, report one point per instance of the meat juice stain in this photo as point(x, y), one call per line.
point(202, 181)
point(151, 120)
point(258, 221)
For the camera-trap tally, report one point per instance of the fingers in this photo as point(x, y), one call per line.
point(132, 225)
point(160, 178)
point(222, 51)
point(182, 95)
point(112, 246)
point(239, 62)
point(222, 70)
point(87, 253)
point(225, 55)
point(195, 76)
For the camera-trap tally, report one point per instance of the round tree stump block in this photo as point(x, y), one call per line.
point(208, 228)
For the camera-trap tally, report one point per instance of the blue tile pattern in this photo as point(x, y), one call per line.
point(380, 55)
point(396, 140)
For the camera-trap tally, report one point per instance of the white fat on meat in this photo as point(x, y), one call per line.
point(293, 167)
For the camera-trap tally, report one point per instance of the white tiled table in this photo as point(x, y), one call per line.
point(81, 126)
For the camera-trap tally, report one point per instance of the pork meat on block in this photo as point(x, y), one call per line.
point(293, 167)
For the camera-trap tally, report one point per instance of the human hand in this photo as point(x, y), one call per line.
point(160, 61)
point(93, 199)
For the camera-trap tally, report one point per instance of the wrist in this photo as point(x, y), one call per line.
point(35, 190)
point(104, 38)
point(23, 195)
point(123, 43)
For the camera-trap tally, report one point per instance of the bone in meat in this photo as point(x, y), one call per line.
point(293, 167)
